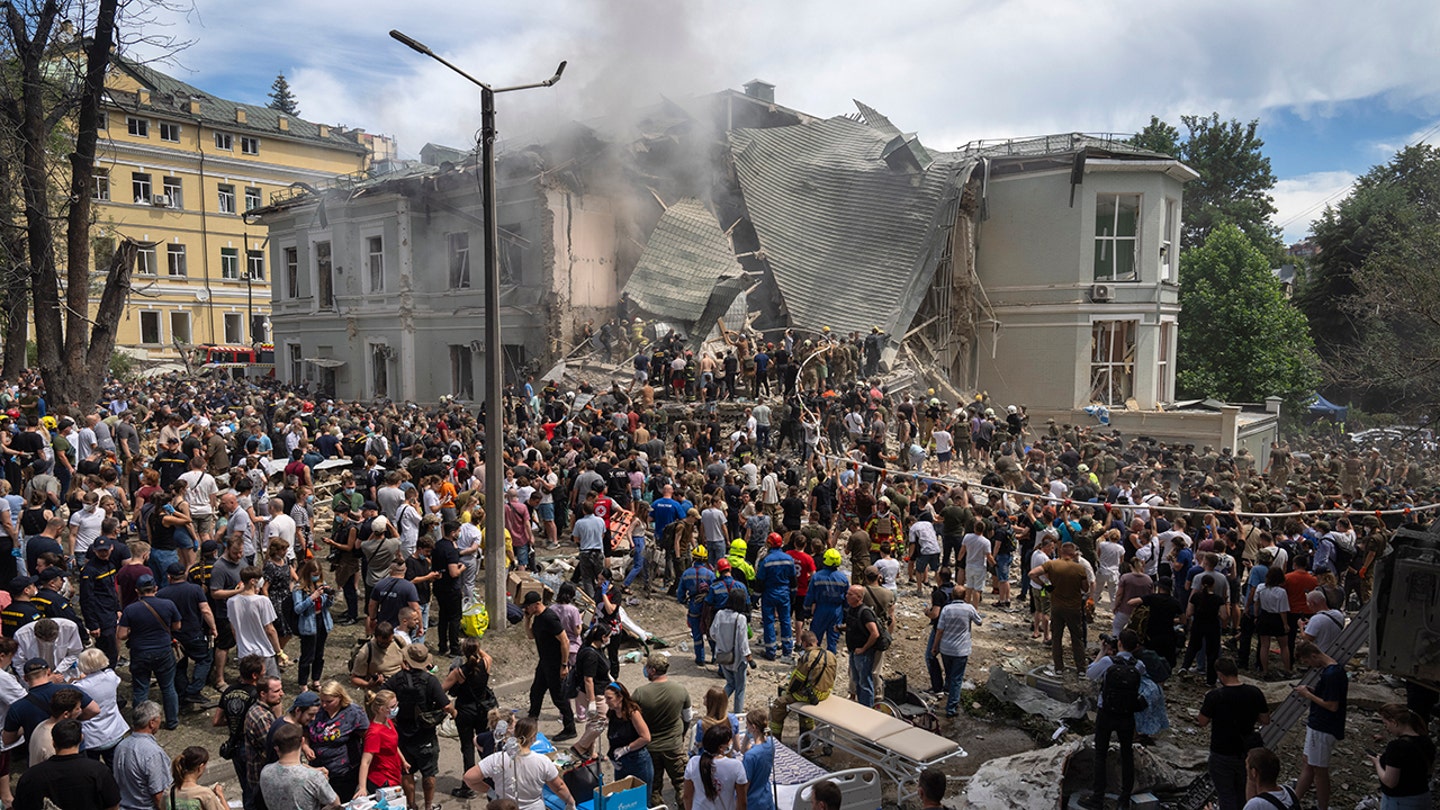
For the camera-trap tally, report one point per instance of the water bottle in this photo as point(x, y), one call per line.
point(684, 646)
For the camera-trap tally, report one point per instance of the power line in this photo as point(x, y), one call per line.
point(1346, 190)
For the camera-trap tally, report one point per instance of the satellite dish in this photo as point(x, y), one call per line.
point(202, 295)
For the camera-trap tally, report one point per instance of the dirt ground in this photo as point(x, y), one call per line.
point(1004, 640)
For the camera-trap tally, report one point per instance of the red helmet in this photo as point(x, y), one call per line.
point(722, 565)
point(775, 539)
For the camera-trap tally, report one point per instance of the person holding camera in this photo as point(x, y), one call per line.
point(1118, 672)
point(312, 599)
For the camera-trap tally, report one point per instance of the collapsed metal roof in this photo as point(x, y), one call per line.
point(688, 271)
point(851, 239)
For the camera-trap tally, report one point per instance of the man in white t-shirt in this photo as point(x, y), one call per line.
point(252, 618)
point(1039, 588)
point(1110, 553)
point(282, 526)
point(202, 493)
point(85, 524)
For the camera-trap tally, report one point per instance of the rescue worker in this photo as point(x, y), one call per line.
point(720, 588)
point(775, 580)
point(694, 587)
point(742, 570)
point(826, 599)
point(883, 527)
point(810, 682)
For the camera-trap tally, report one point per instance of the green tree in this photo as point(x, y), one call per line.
point(1240, 340)
point(1158, 136)
point(281, 98)
point(1234, 184)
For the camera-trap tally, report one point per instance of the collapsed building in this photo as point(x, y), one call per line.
point(1042, 271)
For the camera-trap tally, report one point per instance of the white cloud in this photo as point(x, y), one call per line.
point(1300, 200)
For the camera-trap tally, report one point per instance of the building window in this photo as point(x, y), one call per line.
point(145, 261)
point(297, 364)
point(104, 247)
point(223, 140)
point(1112, 362)
point(292, 272)
point(174, 192)
point(1117, 225)
point(227, 199)
point(150, 327)
point(324, 276)
point(169, 132)
point(180, 328)
point(1163, 364)
point(375, 261)
point(234, 327)
point(101, 180)
point(1167, 241)
point(252, 198)
point(258, 330)
point(512, 254)
point(140, 188)
point(459, 260)
point(175, 260)
point(230, 264)
point(255, 264)
point(514, 354)
point(103, 123)
point(379, 371)
point(249, 145)
point(139, 127)
point(462, 372)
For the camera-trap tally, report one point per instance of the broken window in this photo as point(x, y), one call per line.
point(459, 260)
point(1117, 227)
point(1163, 364)
point(1112, 362)
point(1167, 241)
point(462, 372)
point(325, 276)
point(379, 371)
point(512, 254)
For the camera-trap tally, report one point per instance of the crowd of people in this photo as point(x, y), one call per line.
point(180, 518)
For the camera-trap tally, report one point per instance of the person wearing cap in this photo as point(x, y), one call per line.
point(100, 597)
point(302, 712)
point(345, 560)
point(170, 462)
point(55, 640)
point(148, 625)
point(826, 599)
point(552, 646)
point(67, 779)
point(775, 580)
point(197, 627)
point(422, 701)
point(21, 611)
point(42, 683)
point(48, 597)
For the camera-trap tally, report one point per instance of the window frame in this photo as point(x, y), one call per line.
point(225, 320)
point(1103, 359)
point(375, 262)
point(459, 259)
point(230, 265)
point(324, 274)
point(174, 191)
point(1164, 362)
point(175, 257)
point(462, 371)
point(139, 180)
point(1114, 240)
point(147, 257)
point(135, 122)
point(255, 265)
point(290, 259)
point(1168, 259)
point(225, 141)
point(159, 327)
point(225, 196)
point(189, 324)
point(174, 130)
point(100, 185)
point(253, 193)
point(379, 371)
point(249, 145)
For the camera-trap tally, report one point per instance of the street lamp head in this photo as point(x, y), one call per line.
point(558, 72)
point(414, 44)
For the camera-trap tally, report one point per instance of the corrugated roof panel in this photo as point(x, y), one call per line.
point(684, 260)
point(851, 241)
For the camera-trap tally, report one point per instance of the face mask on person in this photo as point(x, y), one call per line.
point(309, 500)
point(314, 577)
point(394, 711)
point(350, 490)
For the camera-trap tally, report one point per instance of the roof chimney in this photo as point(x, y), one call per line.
point(324, 131)
point(761, 90)
point(143, 96)
point(239, 115)
point(284, 124)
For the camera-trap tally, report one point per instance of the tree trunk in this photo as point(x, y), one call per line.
point(17, 322)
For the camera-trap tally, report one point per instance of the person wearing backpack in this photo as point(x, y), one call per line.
point(423, 707)
point(1118, 672)
point(1262, 769)
point(863, 637)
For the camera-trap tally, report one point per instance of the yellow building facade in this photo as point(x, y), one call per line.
point(176, 170)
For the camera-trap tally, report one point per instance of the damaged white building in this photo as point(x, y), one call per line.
point(1043, 271)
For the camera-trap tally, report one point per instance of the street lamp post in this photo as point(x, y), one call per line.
point(494, 412)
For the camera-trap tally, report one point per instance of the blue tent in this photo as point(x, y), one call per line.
point(1321, 406)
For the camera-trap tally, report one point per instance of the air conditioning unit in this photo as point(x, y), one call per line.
point(1100, 292)
point(160, 200)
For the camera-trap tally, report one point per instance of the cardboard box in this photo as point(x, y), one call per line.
point(625, 794)
point(520, 583)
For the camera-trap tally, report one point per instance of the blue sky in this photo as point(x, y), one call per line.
point(1337, 86)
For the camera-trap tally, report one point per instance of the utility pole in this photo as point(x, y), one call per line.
point(494, 365)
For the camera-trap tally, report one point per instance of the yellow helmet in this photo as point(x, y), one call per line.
point(698, 553)
point(738, 545)
point(48, 422)
point(831, 557)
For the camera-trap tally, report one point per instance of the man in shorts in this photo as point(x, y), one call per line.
point(975, 552)
point(1326, 724)
point(421, 697)
point(925, 548)
point(225, 583)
